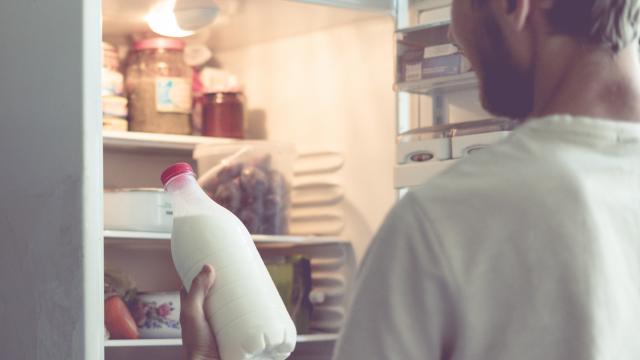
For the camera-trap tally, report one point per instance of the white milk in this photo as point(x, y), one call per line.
point(246, 313)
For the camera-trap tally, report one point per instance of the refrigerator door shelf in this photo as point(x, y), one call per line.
point(464, 145)
point(415, 174)
point(424, 151)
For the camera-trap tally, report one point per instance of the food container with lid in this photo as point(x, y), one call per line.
point(137, 210)
point(223, 115)
point(158, 84)
point(252, 180)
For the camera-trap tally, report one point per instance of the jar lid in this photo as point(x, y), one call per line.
point(159, 43)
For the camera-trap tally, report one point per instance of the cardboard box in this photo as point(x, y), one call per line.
point(433, 67)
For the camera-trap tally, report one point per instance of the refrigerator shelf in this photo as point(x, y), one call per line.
point(155, 143)
point(442, 84)
point(459, 129)
point(420, 27)
point(139, 238)
point(311, 338)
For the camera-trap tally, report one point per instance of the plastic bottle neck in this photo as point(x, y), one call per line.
point(187, 197)
point(180, 183)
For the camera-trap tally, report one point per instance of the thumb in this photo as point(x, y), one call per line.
point(200, 286)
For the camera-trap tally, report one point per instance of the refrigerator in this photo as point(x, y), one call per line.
point(374, 84)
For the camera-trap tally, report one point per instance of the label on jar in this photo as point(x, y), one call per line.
point(173, 94)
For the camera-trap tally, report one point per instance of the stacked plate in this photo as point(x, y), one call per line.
point(317, 196)
point(114, 104)
point(110, 59)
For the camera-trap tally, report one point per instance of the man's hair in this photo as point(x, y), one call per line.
point(613, 24)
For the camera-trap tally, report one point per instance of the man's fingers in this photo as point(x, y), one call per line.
point(201, 285)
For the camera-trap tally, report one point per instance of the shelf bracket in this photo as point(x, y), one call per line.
point(440, 109)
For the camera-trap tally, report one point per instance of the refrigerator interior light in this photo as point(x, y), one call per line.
point(162, 20)
point(180, 18)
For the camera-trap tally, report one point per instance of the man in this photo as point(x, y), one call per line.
point(529, 249)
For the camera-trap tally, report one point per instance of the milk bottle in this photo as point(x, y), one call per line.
point(247, 315)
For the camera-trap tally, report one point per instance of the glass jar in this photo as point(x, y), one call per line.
point(158, 84)
point(223, 115)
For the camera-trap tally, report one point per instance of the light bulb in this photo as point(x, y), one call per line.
point(180, 18)
point(162, 20)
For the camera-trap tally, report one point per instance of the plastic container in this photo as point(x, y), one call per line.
point(252, 180)
point(223, 115)
point(292, 276)
point(245, 310)
point(158, 84)
point(137, 210)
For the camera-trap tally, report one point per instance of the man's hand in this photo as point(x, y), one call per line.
point(197, 339)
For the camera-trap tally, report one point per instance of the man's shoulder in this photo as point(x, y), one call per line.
point(505, 175)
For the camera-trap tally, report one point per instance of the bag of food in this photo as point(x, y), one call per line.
point(252, 180)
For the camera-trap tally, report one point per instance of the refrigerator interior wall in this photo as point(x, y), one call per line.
point(331, 89)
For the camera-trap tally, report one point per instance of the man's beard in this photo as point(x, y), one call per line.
point(505, 91)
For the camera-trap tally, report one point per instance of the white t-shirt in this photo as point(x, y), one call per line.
point(529, 250)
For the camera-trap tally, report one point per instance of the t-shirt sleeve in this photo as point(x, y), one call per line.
point(403, 306)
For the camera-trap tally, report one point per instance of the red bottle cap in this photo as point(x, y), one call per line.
point(175, 170)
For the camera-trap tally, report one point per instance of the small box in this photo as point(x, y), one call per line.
point(446, 65)
point(439, 50)
point(432, 62)
point(411, 65)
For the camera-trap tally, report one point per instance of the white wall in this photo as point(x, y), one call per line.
point(50, 218)
point(332, 89)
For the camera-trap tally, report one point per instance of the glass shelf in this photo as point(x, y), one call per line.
point(459, 129)
point(151, 142)
point(310, 338)
point(438, 85)
point(151, 239)
point(422, 27)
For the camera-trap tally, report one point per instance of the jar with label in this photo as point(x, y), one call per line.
point(223, 115)
point(158, 84)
